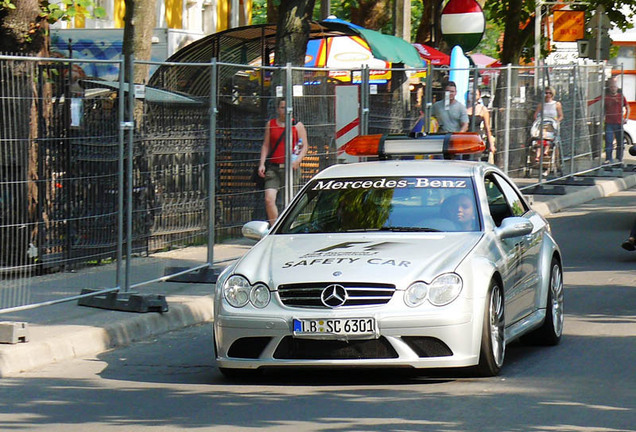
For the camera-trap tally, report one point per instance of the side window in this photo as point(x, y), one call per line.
point(503, 200)
point(497, 204)
point(516, 203)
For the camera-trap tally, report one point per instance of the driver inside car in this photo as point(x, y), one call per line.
point(460, 209)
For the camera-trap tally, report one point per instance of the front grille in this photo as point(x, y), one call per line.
point(307, 295)
point(308, 349)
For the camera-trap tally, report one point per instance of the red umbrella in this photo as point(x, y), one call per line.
point(432, 55)
point(482, 60)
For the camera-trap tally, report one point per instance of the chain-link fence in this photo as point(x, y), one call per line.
point(92, 173)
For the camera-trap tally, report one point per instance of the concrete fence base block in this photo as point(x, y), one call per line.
point(13, 332)
point(128, 302)
point(204, 275)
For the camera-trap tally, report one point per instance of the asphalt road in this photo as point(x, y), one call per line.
point(585, 384)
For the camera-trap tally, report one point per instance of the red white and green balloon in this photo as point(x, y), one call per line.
point(463, 23)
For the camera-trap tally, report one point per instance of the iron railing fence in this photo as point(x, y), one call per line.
point(88, 178)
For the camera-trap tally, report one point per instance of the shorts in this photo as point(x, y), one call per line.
point(275, 176)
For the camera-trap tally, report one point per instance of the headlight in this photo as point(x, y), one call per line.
point(415, 295)
point(444, 289)
point(237, 291)
point(259, 296)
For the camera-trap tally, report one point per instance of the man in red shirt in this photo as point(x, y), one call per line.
point(616, 113)
point(272, 163)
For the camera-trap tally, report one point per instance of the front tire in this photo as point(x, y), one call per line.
point(493, 344)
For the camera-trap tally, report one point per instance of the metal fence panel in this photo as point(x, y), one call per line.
point(58, 173)
point(63, 161)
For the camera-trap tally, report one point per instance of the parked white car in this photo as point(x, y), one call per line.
point(629, 133)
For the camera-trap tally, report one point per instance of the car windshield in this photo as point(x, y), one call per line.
point(398, 204)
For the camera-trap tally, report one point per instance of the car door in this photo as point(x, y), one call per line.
point(509, 248)
point(528, 247)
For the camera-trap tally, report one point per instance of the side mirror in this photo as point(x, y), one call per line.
point(514, 227)
point(255, 230)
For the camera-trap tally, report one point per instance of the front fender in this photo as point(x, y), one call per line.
point(549, 250)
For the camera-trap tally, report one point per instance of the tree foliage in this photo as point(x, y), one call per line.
point(517, 19)
point(24, 23)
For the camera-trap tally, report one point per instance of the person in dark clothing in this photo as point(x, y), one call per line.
point(630, 243)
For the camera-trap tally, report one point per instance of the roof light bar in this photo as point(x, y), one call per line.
point(434, 144)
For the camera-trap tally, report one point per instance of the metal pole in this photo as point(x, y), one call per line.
point(289, 175)
point(129, 192)
point(428, 98)
point(212, 163)
point(540, 143)
point(574, 83)
point(601, 120)
point(120, 171)
point(325, 7)
point(600, 12)
point(537, 42)
point(508, 111)
point(474, 99)
point(622, 143)
point(364, 98)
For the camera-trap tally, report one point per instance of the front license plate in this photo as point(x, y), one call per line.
point(335, 326)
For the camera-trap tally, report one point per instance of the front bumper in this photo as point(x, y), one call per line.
point(412, 340)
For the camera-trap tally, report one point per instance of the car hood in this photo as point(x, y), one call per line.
point(392, 258)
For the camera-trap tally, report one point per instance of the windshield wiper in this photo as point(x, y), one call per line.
point(408, 229)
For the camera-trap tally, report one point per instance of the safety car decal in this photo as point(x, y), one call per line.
point(351, 252)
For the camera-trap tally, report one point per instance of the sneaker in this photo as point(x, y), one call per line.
point(629, 244)
point(607, 162)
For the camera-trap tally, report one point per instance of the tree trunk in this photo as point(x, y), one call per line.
point(139, 24)
point(514, 39)
point(22, 30)
point(428, 30)
point(272, 12)
point(292, 32)
point(372, 14)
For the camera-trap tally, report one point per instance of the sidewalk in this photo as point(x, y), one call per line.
point(64, 331)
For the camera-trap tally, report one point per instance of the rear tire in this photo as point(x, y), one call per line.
point(493, 344)
point(551, 330)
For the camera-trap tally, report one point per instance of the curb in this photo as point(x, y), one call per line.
point(84, 341)
point(588, 194)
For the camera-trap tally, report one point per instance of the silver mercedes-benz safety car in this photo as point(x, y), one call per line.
point(393, 263)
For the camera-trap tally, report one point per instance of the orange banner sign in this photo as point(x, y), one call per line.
point(569, 26)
